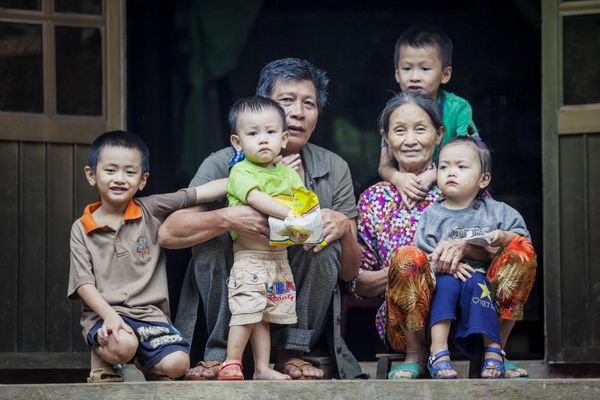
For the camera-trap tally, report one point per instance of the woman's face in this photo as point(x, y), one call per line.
point(299, 101)
point(412, 137)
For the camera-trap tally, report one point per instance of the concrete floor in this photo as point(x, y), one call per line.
point(532, 389)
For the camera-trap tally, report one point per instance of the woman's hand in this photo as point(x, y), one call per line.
point(500, 238)
point(463, 271)
point(411, 188)
point(448, 254)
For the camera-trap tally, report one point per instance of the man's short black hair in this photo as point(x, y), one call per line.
point(420, 36)
point(293, 69)
point(253, 105)
point(123, 139)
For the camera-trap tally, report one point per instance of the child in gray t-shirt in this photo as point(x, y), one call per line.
point(462, 291)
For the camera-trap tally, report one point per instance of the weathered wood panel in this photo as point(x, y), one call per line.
point(32, 247)
point(60, 217)
point(9, 256)
point(83, 195)
point(573, 243)
point(594, 235)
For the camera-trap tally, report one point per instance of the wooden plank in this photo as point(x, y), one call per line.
point(45, 360)
point(594, 236)
point(550, 104)
point(574, 286)
point(83, 195)
point(32, 247)
point(60, 217)
point(9, 256)
point(58, 129)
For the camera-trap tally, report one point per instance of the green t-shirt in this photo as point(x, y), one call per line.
point(457, 116)
point(245, 176)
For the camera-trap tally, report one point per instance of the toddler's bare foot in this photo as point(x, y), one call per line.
point(269, 374)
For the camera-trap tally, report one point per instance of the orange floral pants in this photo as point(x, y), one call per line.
point(411, 284)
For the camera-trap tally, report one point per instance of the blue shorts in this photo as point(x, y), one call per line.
point(470, 304)
point(156, 340)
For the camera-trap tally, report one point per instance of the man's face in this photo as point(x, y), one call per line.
point(299, 101)
point(420, 70)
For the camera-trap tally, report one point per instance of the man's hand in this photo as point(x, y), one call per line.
point(246, 221)
point(411, 188)
point(335, 224)
point(112, 324)
point(448, 254)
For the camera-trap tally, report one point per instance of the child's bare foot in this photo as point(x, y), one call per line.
point(269, 374)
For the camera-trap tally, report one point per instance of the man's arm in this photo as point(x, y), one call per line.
point(195, 225)
point(339, 223)
point(350, 260)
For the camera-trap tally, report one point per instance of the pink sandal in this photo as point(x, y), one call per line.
point(231, 370)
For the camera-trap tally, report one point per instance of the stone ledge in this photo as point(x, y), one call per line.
point(531, 389)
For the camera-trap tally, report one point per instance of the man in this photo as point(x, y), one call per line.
point(301, 90)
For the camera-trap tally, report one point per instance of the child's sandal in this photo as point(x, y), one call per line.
point(491, 364)
point(231, 370)
point(104, 375)
point(436, 367)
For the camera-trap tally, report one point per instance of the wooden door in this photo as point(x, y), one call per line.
point(571, 159)
point(62, 83)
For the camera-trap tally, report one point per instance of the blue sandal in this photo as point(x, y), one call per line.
point(435, 368)
point(493, 364)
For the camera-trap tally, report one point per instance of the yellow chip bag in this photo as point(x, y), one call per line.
point(306, 228)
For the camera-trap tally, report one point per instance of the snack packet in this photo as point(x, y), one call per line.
point(306, 228)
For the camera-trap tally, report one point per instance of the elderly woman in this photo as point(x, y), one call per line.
point(411, 126)
point(300, 88)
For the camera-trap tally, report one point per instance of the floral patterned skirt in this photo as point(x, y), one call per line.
point(411, 284)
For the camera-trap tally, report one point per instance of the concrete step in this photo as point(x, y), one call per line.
point(530, 389)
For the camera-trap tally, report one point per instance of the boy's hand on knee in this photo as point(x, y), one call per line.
point(112, 325)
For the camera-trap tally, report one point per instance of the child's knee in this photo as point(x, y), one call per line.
point(409, 260)
point(175, 364)
point(120, 351)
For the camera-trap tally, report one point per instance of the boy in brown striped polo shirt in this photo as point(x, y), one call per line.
point(118, 269)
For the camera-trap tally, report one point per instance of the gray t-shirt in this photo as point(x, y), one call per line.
point(485, 215)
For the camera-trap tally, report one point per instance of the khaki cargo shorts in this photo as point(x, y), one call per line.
point(261, 288)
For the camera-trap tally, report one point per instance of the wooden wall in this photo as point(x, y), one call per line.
point(43, 190)
point(579, 297)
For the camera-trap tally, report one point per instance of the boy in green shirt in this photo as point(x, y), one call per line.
point(260, 285)
point(423, 62)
